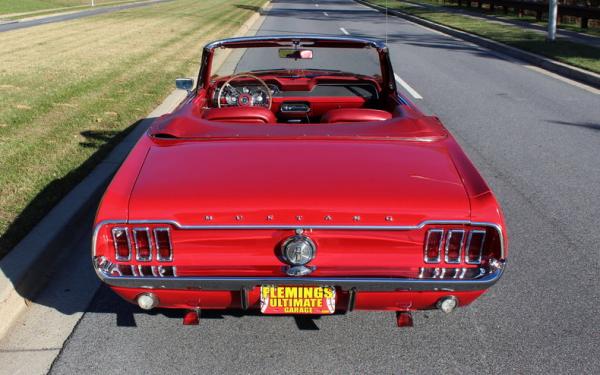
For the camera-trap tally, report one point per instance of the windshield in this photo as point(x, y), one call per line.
point(306, 62)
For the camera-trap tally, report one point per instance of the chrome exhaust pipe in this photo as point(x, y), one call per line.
point(447, 304)
point(147, 301)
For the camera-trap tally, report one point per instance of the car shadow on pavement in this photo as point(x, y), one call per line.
point(107, 302)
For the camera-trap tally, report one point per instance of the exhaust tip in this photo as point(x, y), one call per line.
point(147, 301)
point(447, 304)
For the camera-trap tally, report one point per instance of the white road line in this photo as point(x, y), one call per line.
point(325, 13)
point(344, 31)
point(407, 87)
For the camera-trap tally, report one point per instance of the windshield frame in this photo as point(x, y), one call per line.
point(303, 41)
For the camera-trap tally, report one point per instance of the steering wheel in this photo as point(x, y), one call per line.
point(246, 99)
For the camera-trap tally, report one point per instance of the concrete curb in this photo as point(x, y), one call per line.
point(568, 71)
point(24, 271)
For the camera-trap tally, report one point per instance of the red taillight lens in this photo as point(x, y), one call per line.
point(433, 245)
point(466, 246)
point(121, 243)
point(143, 246)
point(164, 250)
point(454, 243)
point(475, 247)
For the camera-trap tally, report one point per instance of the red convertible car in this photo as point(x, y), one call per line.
point(296, 179)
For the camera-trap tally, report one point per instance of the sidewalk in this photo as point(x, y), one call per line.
point(572, 36)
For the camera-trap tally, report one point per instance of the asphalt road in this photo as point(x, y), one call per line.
point(72, 16)
point(535, 138)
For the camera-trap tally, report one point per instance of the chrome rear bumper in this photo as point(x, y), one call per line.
point(481, 281)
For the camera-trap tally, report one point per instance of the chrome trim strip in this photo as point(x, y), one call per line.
point(478, 260)
point(483, 281)
point(158, 257)
point(460, 248)
point(426, 247)
point(137, 248)
point(117, 257)
point(174, 223)
point(291, 38)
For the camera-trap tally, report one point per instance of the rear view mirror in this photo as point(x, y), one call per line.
point(184, 84)
point(288, 53)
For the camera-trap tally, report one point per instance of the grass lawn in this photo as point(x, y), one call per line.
point(70, 90)
point(25, 6)
point(568, 52)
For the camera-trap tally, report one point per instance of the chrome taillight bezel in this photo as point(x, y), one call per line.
point(135, 232)
point(468, 246)
point(449, 236)
point(116, 247)
point(440, 246)
point(157, 244)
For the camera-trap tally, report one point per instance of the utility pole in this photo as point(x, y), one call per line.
point(552, 15)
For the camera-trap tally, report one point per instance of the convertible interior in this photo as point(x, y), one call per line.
point(296, 80)
point(245, 98)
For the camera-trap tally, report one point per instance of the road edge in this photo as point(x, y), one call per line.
point(565, 70)
point(24, 270)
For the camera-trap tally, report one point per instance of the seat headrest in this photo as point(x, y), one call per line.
point(355, 115)
point(241, 115)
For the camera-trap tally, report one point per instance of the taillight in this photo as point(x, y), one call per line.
point(474, 247)
point(164, 250)
point(433, 245)
point(143, 246)
point(462, 246)
point(122, 244)
point(148, 244)
point(454, 244)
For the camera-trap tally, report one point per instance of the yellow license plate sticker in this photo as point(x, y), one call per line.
point(276, 299)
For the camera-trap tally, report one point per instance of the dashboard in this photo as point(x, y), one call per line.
point(236, 93)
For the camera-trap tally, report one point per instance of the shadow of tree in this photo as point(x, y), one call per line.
point(247, 7)
point(103, 142)
point(587, 125)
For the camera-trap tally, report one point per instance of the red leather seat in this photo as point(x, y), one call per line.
point(240, 115)
point(355, 115)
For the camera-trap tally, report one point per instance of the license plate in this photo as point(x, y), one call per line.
point(297, 299)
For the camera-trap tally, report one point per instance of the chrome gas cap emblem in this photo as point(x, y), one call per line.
point(297, 251)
